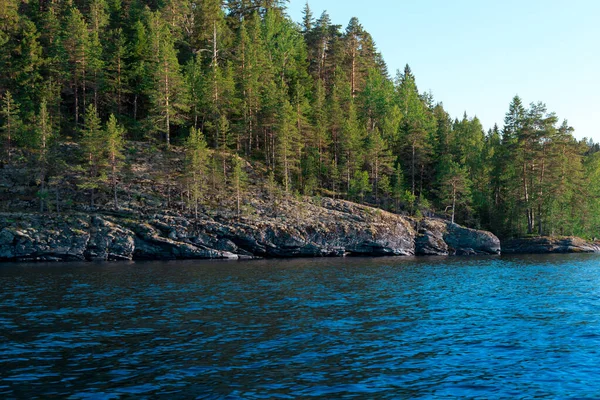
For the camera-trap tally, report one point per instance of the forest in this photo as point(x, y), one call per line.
point(310, 102)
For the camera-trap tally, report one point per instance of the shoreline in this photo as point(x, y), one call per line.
point(334, 228)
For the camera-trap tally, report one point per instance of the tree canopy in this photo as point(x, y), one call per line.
point(312, 103)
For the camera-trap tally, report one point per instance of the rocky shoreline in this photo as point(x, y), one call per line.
point(549, 245)
point(332, 228)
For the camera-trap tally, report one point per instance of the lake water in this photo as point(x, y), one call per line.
point(490, 327)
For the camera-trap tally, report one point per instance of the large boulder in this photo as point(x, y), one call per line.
point(430, 239)
point(466, 241)
point(439, 237)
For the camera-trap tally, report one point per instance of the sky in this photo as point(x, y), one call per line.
point(476, 55)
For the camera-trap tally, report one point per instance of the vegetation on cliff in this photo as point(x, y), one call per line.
point(213, 87)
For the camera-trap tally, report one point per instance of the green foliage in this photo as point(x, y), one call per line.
point(93, 140)
point(239, 180)
point(312, 103)
point(455, 188)
point(114, 136)
point(197, 164)
point(169, 96)
point(11, 124)
point(359, 185)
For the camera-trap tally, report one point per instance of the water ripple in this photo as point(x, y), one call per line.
point(510, 327)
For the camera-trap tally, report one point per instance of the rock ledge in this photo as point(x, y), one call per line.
point(331, 228)
point(548, 245)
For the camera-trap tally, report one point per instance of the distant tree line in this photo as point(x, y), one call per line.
point(313, 102)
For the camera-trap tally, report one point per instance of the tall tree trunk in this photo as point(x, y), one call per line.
point(75, 90)
point(57, 198)
point(167, 105)
point(114, 179)
point(119, 89)
point(238, 194)
point(453, 200)
point(413, 165)
point(9, 139)
point(541, 193)
point(42, 195)
point(526, 197)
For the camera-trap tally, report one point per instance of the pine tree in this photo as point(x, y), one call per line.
point(415, 127)
point(75, 43)
point(398, 188)
point(287, 138)
point(140, 77)
point(169, 96)
point(98, 21)
point(353, 143)
point(44, 134)
point(455, 188)
point(359, 185)
point(320, 137)
point(94, 147)
point(115, 136)
point(239, 182)
point(11, 123)
point(194, 79)
point(27, 63)
point(117, 85)
point(352, 38)
point(197, 159)
point(380, 160)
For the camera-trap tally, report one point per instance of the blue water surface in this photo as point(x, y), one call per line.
point(490, 327)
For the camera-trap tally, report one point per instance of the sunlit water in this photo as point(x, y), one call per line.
point(333, 328)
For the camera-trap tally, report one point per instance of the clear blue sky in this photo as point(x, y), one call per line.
point(476, 55)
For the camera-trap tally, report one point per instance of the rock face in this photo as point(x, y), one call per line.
point(544, 245)
point(331, 228)
point(439, 237)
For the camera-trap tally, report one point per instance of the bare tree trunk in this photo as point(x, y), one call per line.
point(75, 90)
point(9, 138)
point(119, 86)
point(41, 195)
point(453, 200)
point(238, 194)
point(376, 180)
point(168, 121)
point(353, 79)
point(57, 198)
point(114, 179)
point(413, 166)
point(526, 196)
point(541, 193)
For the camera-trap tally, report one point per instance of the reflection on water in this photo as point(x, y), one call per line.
point(370, 328)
